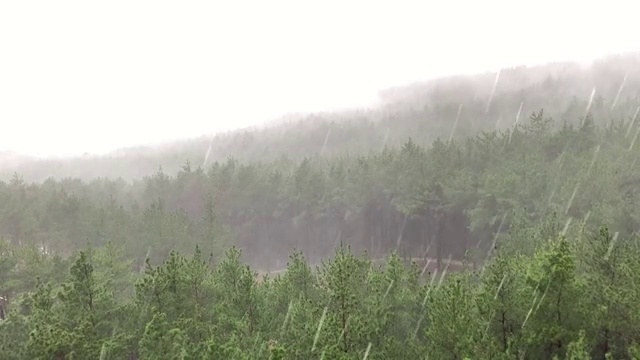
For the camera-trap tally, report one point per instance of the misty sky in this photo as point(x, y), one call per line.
point(89, 76)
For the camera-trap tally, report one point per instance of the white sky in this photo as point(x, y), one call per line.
point(92, 76)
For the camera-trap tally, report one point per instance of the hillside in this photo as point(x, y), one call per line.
point(368, 234)
point(541, 223)
point(422, 111)
point(400, 197)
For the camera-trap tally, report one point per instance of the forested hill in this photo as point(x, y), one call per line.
point(456, 193)
point(456, 106)
point(527, 204)
point(540, 220)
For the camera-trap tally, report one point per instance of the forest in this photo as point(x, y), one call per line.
point(441, 241)
point(450, 107)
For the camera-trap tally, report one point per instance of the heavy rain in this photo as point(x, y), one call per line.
point(333, 180)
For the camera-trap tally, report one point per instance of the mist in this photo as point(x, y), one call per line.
point(79, 77)
point(286, 180)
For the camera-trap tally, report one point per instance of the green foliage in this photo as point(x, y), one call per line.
point(521, 305)
point(168, 267)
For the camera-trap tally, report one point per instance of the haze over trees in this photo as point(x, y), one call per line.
point(423, 111)
point(451, 222)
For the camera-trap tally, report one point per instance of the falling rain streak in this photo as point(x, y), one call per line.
point(320, 324)
point(388, 289)
point(286, 317)
point(515, 123)
point(263, 216)
point(573, 195)
point(586, 217)
point(455, 123)
point(500, 286)
point(566, 226)
point(326, 140)
point(493, 92)
point(426, 265)
point(593, 94)
point(404, 225)
point(633, 121)
point(535, 304)
point(634, 139)
point(519, 112)
point(615, 100)
point(611, 245)
point(366, 353)
point(206, 156)
point(444, 272)
point(493, 243)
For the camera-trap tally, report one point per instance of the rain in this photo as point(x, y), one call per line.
point(305, 182)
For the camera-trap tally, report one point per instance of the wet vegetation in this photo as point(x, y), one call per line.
point(417, 230)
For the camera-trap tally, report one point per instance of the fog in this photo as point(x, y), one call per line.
point(330, 181)
point(78, 77)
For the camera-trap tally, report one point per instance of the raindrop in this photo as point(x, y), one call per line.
point(415, 332)
point(615, 100)
point(366, 353)
point(426, 252)
point(500, 286)
point(566, 226)
point(315, 339)
point(495, 236)
point(493, 244)
point(426, 296)
point(533, 305)
point(286, 317)
point(543, 296)
point(529, 313)
point(424, 269)
point(493, 219)
point(206, 156)
point(593, 93)
point(388, 289)
point(493, 91)
point(103, 351)
point(404, 225)
point(326, 139)
point(633, 120)
point(444, 272)
point(519, 112)
point(634, 139)
point(455, 123)
point(515, 124)
point(575, 191)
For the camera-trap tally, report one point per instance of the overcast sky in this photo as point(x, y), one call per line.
point(92, 76)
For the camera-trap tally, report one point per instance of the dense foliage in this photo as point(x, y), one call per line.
point(555, 286)
point(452, 195)
point(519, 242)
point(570, 296)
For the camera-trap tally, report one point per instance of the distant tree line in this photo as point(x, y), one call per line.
point(451, 198)
point(457, 107)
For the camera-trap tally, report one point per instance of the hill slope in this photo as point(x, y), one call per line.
point(455, 106)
